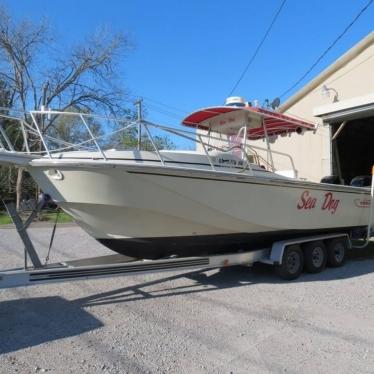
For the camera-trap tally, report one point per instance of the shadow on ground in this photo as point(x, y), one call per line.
point(29, 322)
point(360, 262)
point(33, 321)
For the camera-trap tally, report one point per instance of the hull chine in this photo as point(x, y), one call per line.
point(203, 245)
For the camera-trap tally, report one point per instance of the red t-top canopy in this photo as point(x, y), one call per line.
point(229, 119)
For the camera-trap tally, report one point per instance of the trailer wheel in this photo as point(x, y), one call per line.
point(292, 263)
point(336, 251)
point(315, 256)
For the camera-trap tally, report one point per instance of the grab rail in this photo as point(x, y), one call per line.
point(6, 138)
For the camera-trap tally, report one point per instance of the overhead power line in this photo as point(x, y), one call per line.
point(328, 49)
point(254, 55)
point(163, 111)
point(165, 105)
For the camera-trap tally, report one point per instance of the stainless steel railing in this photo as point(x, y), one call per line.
point(207, 142)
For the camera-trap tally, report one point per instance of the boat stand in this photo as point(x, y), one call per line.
point(22, 227)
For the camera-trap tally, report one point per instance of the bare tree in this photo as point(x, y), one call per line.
point(36, 74)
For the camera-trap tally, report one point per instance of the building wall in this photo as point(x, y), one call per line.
point(311, 152)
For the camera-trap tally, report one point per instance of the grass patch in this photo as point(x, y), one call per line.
point(44, 217)
point(4, 219)
point(51, 217)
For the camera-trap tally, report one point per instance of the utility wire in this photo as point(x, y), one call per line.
point(165, 105)
point(258, 47)
point(328, 49)
point(163, 111)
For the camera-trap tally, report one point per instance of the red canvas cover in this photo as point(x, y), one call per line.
point(275, 123)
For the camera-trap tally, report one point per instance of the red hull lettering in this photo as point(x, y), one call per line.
point(306, 201)
point(330, 203)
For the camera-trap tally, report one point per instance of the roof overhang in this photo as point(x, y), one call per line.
point(347, 110)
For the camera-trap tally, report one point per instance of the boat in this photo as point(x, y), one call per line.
point(227, 195)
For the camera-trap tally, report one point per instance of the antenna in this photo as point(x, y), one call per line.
point(275, 103)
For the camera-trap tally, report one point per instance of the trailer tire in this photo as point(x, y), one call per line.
point(336, 252)
point(292, 263)
point(315, 256)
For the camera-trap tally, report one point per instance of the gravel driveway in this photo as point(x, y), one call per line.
point(237, 320)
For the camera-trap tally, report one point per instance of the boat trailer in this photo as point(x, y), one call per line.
point(288, 256)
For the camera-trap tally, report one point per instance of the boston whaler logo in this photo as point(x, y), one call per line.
point(307, 202)
point(362, 203)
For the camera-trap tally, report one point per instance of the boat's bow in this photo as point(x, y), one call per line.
point(18, 159)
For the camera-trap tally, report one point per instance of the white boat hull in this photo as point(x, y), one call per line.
point(149, 211)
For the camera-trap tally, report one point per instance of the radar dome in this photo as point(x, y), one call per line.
point(235, 101)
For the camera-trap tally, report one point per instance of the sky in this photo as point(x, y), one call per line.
point(189, 54)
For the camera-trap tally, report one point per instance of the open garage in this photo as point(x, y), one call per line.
point(340, 101)
point(351, 125)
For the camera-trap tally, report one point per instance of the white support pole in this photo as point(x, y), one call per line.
point(268, 144)
point(2, 145)
point(154, 144)
point(206, 152)
point(92, 137)
point(371, 205)
point(40, 134)
point(2, 132)
point(139, 103)
point(370, 217)
point(24, 134)
point(244, 152)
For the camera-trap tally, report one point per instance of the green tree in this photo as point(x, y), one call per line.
point(36, 72)
point(82, 77)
